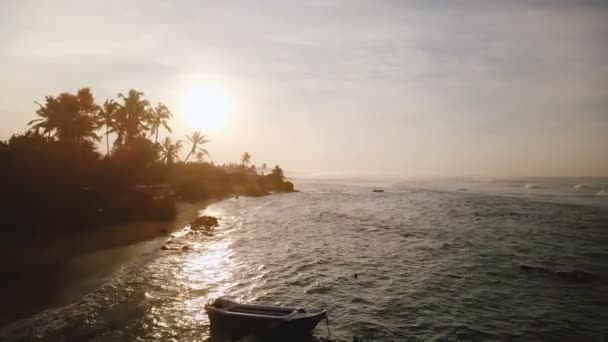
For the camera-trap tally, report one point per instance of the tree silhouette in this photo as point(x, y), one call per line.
point(107, 114)
point(278, 173)
point(133, 116)
point(200, 156)
point(159, 116)
point(46, 120)
point(170, 151)
point(70, 117)
point(196, 139)
point(246, 158)
point(263, 168)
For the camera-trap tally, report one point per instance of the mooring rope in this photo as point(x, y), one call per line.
point(327, 324)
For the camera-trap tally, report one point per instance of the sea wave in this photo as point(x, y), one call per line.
point(408, 265)
point(582, 186)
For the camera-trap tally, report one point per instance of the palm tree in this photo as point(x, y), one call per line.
point(159, 116)
point(46, 118)
point(278, 173)
point(107, 114)
point(264, 168)
point(70, 117)
point(246, 158)
point(197, 139)
point(170, 151)
point(200, 156)
point(133, 116)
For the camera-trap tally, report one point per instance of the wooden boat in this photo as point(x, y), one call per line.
point(227, 315)
point(378, 190)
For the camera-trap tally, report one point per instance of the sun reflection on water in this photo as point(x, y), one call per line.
point(196, 269)
point(208, 272)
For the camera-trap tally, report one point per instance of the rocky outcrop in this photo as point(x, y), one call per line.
point(286, 186)
point(204, 223)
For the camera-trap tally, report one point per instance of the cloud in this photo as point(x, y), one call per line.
point(437, 76)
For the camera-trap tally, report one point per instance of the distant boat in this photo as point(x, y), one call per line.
point(378, 190)
point(229, 316)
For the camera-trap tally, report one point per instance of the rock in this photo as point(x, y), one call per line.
point(204, 223)
point(185, 248)
point(164, 248)
point(287, 186)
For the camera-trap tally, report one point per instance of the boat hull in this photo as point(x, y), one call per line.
point(241, 319)
point(261, 324)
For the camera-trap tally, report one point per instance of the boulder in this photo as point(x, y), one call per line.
point(204, 223)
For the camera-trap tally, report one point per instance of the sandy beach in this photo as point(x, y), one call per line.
point(65, 247)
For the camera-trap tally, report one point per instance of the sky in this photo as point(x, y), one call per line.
point(329, 88)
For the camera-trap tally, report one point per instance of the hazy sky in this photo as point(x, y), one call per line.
point(355, 87)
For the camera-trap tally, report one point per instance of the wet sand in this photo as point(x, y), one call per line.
point(52, 251)
point(60, 271)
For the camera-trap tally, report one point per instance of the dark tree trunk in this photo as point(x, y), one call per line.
point(107, 141)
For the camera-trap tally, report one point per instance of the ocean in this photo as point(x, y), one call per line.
point(471, 259)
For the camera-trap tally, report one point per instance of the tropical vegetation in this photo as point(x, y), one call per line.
point(55, 169)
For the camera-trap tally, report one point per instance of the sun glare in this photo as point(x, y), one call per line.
point(206, 107)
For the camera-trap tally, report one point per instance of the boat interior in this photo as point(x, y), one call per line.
point(230, 306)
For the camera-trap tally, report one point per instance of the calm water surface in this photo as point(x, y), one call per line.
point(435, 261)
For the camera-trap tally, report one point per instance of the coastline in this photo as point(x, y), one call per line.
point(39, 254)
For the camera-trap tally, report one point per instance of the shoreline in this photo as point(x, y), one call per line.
point(64, 248)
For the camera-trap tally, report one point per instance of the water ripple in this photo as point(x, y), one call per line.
point(430, 266)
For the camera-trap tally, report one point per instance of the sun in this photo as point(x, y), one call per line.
point(206, 107)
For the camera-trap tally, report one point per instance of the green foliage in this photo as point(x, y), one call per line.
point(55, 182)
point(169, 152)
point(199, 181)
point(68, 117)
point(107, 116)
point(246, 158)
point(197, 140)
point(277, 175)
point(132, 118)
point(159, 117)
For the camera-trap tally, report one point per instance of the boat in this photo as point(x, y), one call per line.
point(229, 316)
point(378, 190)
